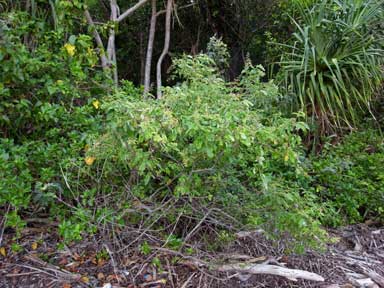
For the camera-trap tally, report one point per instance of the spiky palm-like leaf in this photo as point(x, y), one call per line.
point(335, 66)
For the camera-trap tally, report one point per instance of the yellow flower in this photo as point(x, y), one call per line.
point(286, 157)
point(96, 104)
point(70, 49)
point(89, 160)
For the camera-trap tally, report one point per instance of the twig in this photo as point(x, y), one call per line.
point(188, 280)
point(190, 234)
point(3, 221)
point(22, 274)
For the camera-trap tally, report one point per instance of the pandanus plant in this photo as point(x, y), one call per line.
point(334, 67)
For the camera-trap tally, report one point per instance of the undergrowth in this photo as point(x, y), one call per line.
point(209, 159)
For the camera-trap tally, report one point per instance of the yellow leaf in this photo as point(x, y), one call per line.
point(70, 49)
point(85, 279)
point(96, 104)
point(286, 157)
point(59, 82)
point(3, 252)
point(89, 160)
point(86, 147)
point(34, 246)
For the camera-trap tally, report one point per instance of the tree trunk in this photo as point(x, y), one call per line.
point(108, 58)
point(166, 46)
point(111, 50)
point(151, 39)
point(142, 57)
point(99, 42)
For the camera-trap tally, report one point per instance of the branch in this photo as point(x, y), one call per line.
point(99, 42)
point(291, 274)
point(131, 10)
point(176, 9)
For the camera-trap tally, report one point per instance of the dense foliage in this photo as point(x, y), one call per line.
point(349, 179)
point(221, 150)
point(46, 106)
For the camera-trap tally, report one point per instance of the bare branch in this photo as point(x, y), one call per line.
point(291, 274)
point(99, 42)
point(131, 10)
point(167, 39)
point(176, 8)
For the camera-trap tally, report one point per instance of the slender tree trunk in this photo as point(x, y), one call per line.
point(151, 39)
point(142, 57)
point(111, 50)
point(108, 58)
point(99, 42)
point(167, 39)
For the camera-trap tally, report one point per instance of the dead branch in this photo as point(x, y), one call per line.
point(291, 274)
point(131, 10)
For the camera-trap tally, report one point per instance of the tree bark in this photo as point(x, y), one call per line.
point(111, 49)
point(142, 56)
point(167, 39)
point(99, 42)
point(151, 39)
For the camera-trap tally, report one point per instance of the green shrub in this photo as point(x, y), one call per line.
point(16, 180)
point(46, 108)
point(263, 96)
point(206, 145)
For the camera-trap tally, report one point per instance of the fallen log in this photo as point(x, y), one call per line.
point(291, 274)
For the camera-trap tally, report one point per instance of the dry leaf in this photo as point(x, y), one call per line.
point(100, 262)
point(3, 252)
point(85, 279)
point(66, 285)
point(76, 256)
point(34, 246)
point(100, 276)
point(63, 261)
point(113, 277)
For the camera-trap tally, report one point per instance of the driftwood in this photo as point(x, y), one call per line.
point(366, 282)
point(291, 274)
